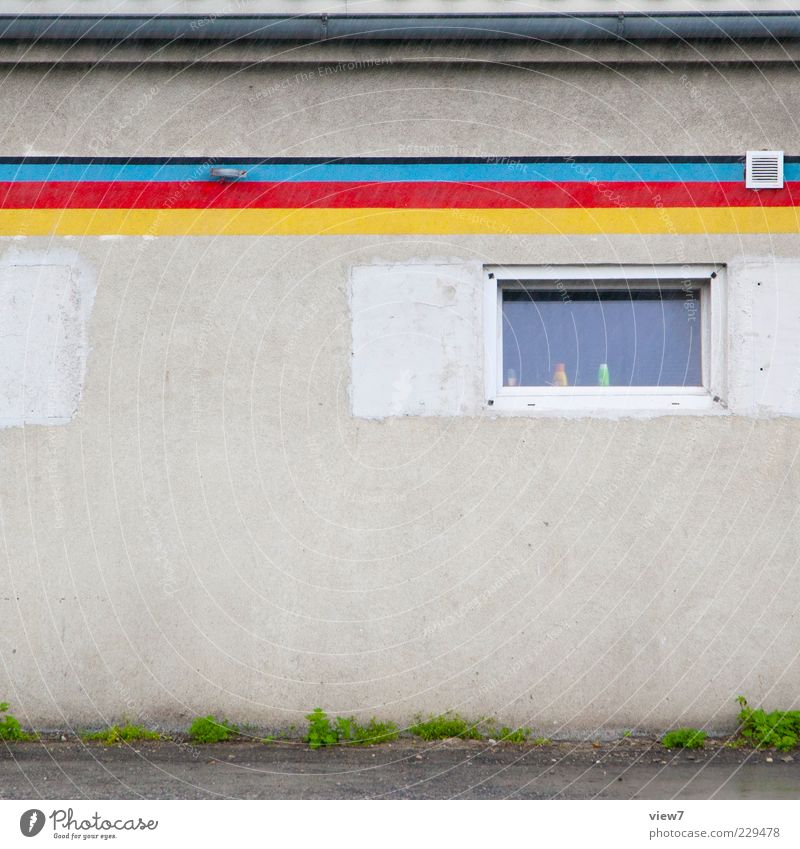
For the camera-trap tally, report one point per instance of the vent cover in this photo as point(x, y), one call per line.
point(764, 169)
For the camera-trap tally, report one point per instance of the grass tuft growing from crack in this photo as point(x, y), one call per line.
point(510, 735)
point(779, 729)
point(444, 727)
point(346, 731)
point(684, 738)
point(10, 729)
point(208, 729)
point(374, 732)
point(118, 734)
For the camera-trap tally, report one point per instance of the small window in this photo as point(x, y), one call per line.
point(609, 337)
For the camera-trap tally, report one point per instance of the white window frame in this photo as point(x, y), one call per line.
point(602, 400)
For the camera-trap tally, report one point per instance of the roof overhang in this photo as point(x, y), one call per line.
point(320, 28)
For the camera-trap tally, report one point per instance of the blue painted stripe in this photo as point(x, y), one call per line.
point(698, 171)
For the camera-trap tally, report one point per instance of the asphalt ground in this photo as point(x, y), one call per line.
point(627, 769)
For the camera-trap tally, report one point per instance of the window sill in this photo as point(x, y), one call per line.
point(607, 405)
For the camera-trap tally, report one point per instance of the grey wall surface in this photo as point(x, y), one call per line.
point(399, 109)
point(214, 531)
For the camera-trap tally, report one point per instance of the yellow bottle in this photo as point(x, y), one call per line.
point(560, 375)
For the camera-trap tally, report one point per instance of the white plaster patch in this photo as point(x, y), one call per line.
point(46, 299)
point(416, 340)
point(775, 289)
point(763, 342)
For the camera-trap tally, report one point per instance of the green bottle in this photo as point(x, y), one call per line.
point(602, 375)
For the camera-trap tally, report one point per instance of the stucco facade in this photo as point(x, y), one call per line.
point(214, 530)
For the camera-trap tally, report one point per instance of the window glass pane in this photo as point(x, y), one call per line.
point(598, 337)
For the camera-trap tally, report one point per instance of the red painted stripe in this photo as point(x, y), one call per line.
point(132, 195)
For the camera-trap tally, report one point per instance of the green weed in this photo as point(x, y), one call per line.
point(207, 729)
point(510, 735)
point(122, 734)
point(684, 738)
point(445, 726)
point(779, 729)
point(346, 730)
point(320, 731)
point(350, 731)
point(10, 729)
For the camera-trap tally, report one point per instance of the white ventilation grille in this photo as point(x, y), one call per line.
point(764, 169)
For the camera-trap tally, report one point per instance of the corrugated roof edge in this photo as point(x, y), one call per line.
point(609, 26)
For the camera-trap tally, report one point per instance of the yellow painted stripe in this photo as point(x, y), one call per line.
point(338, 222)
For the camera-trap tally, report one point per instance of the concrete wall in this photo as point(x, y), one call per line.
point(215, 531)
point(398, 109)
